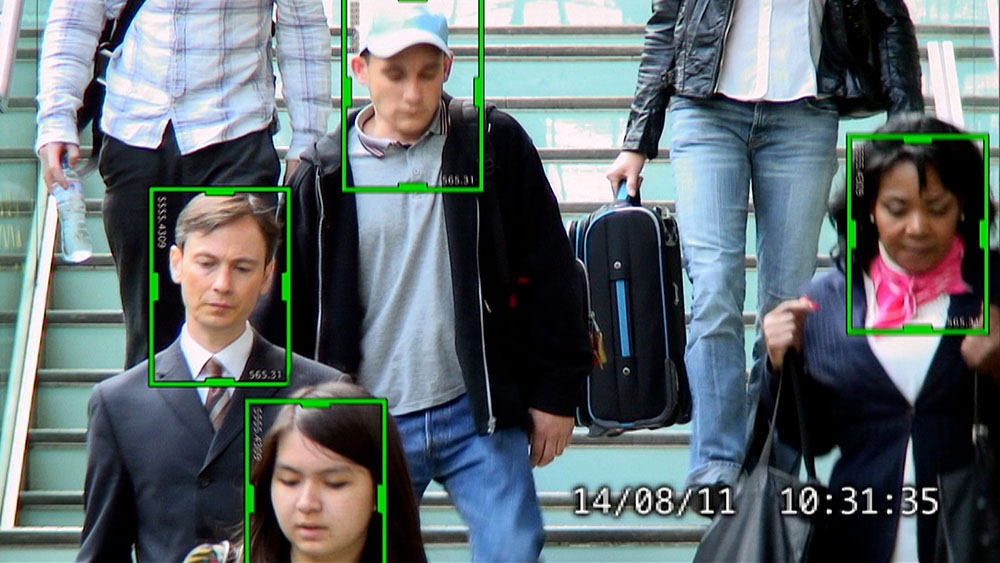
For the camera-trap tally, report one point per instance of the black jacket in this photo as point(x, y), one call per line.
point(159, 477)
point(868, 63)
point(529, 350)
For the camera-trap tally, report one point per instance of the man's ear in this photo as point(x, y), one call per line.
point(360, 68)
point(268, 276)
point(176, 256)
point(449, 59)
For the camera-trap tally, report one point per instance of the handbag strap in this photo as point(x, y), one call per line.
point(793, 368)
point(790, 370)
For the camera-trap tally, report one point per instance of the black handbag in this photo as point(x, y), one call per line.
point(969, 517)
point(766, 526)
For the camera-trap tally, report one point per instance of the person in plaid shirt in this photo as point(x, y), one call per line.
point(190, 102)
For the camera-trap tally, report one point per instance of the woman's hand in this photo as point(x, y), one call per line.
point(627, 167)
point(982, 352)
point(783, 328)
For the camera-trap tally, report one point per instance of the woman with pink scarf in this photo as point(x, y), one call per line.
point(898, 406)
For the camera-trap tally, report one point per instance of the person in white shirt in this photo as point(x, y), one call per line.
point(165, 465)
point(190, 102)
point(754, 90)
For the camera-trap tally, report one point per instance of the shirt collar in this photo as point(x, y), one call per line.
point(233, 357)
point(380, 146)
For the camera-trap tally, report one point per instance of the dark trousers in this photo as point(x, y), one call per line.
point(128, 173)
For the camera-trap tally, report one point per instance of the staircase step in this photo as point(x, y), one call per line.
point(661, 437)
point(555, 535)
point(87, 346)
point(85, 288)
point(548, 102)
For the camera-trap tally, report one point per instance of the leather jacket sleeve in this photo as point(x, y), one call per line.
point(656, 69)
point(900, 59)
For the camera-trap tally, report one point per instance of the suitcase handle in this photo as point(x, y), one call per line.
point(624, 196)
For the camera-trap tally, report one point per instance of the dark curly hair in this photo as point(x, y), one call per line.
point(959, 164)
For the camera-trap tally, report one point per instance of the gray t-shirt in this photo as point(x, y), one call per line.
point(408, 330)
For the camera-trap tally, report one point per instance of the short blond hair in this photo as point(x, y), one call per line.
point(205, 213)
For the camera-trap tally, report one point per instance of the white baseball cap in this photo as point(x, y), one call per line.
point(394, 29)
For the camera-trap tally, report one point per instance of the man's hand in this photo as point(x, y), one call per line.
point(627, 166)
point(290, 165)
point(982, 352)
point(550, 436)
point(51, 155)
point(782, 328)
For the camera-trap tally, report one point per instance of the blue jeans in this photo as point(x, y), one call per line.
point(488, 478)
point(720, 149)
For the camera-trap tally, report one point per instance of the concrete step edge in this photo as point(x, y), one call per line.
point(605, 155)
point(567, 103)
point(66, 536)
point(823, 260)
point(85, 316)
point(431, 499)
point(644, 438)
point(631, 30)
point(575, 51)
point(60, 376)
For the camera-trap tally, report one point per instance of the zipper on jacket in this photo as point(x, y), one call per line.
point(319, 251)
point(491, 423)
point(722, 51)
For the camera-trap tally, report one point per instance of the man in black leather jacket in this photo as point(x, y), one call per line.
point(754, 96)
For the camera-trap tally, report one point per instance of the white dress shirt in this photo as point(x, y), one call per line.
point(204, 65)
point(772, 50)
point(233, 358)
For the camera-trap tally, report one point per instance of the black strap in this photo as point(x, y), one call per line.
point(123, 22)
point(464, 117)
point(790, 371)
point(93, 95)
point(793, 369)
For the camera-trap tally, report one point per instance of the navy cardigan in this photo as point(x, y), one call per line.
point(851, 403)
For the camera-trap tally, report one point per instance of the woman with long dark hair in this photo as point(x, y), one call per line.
point(899, 406)
point(288, 525)
point(316, 483)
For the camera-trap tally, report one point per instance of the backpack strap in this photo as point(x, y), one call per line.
point(93, 95)
point(464, 117)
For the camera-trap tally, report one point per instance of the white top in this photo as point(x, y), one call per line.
point(233, 358)
point(204, 65)
point(906, 360)
point(772, 50)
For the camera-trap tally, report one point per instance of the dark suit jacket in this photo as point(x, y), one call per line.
point(158, 476)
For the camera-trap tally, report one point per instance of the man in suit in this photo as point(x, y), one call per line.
point(165, 464)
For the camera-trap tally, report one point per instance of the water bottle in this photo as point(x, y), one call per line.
point(76, 244)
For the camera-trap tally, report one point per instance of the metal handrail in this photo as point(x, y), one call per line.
point(944, 82)
point(993, 14)
point(10, 27)
point(27, 349)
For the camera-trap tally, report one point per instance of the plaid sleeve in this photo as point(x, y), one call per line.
point(67, 64)
point(303, 45)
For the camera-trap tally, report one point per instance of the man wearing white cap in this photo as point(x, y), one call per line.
point(406, 291)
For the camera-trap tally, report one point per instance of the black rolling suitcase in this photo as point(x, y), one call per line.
point(633, 262)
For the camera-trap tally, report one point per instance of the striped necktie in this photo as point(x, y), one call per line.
point(217, 400)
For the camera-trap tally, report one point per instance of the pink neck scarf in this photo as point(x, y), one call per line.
point(898, 295)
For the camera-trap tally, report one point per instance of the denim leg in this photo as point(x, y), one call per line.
point(413, 430)
point(490, 481)
point(710, 157)
point(794, 158)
